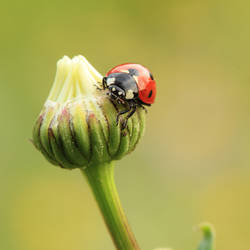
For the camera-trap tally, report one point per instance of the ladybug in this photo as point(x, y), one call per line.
point(130, 84)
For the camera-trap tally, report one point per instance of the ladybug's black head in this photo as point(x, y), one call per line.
point(122, 85)
point(116, 92)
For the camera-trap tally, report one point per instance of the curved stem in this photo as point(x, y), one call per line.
point(101, 180)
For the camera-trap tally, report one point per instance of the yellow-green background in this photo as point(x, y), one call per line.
point(192, 164)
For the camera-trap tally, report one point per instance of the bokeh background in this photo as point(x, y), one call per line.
point(193, 162)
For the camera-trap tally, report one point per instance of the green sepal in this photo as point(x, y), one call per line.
point(99, 150)
point(81, 129)
point(58, 152)
point(124, 144)
point(114, 131)
point(49, 113)
point(68, 140)
point(37, 141)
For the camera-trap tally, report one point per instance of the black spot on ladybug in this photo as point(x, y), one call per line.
point(133, 72)
point(151, 76)
point(150, 93)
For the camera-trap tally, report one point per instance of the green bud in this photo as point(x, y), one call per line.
point(77, 125)
point(208, 231)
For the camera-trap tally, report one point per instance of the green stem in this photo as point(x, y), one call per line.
point(101, 180)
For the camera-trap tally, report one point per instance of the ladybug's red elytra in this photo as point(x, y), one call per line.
point(130, 84)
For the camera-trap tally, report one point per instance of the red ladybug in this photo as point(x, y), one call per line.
point(130, 84)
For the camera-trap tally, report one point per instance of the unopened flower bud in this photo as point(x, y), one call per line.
point(77, 125)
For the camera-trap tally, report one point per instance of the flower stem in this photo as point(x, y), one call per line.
point(101, 180)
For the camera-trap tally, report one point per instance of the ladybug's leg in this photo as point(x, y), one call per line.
point(101, 85)
point(143, 107)
point(104, 82)
point(133, 107)
point(121, 113)
point(98, 86)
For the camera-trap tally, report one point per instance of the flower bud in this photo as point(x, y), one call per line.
point(77, 125)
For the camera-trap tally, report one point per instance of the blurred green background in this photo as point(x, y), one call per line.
point(193, 162)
